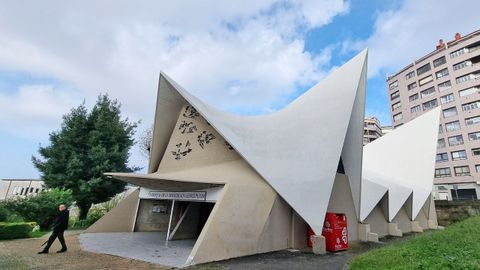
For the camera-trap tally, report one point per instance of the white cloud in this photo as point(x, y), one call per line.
point(235, 54)
point(35, 110)
point(211, 47)
point(404, 35)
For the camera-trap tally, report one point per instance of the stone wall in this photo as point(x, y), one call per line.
point(452, 211)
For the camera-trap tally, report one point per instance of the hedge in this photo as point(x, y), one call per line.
point(16, 230)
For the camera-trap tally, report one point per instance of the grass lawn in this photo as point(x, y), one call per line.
point(456, 247)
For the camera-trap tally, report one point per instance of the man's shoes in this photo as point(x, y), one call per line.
point(43, 252)
point(61, 250)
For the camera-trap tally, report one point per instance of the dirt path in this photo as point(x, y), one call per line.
point(22, 254)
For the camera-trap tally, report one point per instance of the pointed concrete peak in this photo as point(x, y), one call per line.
point(371, 195)
point(286, 146)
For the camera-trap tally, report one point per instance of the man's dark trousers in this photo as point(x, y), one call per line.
point(60, 225)
point(54, 235)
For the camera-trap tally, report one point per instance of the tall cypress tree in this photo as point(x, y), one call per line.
point(88, 145)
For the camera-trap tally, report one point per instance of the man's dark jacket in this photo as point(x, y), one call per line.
point(61, 221)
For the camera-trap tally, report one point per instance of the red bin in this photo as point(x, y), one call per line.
point(335, 232)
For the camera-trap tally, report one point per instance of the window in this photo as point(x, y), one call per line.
point(425, 80)
point(415, 109)
point(393, 85)
point(442, 157)
point(442, 73)
point(439, 61)
point(474, 136)
point(455, 140)
point(459, 155)
point(472, 120)
point(423, 69)
point(440, 129)
point(409, 75)
point(444, 86)
point(468, 91)
point(396, 106)
point(428, 92)
point(477, 168)
point(457, 53)
point(450, 112)
point(452, 126)
point(397, 117)
point(462, 65)
point(430, 104)
point(395, 95)
point(476, 151)
point(413, 97)
point(462, 170)
point(447, 99)
point(471, 105)
point(465, 78)
point(442, 172)
point(441, 143)
point(412, 86)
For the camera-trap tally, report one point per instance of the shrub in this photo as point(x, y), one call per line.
point(75, 224)
point(96, 212)
point(4, 214)
point(42, 208)
point(16, 230)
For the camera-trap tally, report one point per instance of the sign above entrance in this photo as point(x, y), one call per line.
point(177, 196)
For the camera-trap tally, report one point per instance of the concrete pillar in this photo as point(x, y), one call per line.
point(318, 244)
point(432, 224)
point(393, 230)
point(416, 227)
point(364, 233)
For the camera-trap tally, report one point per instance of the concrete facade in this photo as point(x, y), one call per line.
point(372, 130)
point(269, 178)
point(448, 77)
point(16, 188)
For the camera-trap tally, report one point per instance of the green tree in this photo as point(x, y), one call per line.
point(88, 145)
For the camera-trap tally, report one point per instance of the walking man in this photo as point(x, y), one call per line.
point(60, 224)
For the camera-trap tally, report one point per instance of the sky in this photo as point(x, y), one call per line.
point(244, 57)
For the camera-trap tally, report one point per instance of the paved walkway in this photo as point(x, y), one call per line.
point(22, 254)
point(145, 246)
point(295, 260)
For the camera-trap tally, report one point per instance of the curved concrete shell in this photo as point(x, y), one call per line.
point(401, 164)
point(297, 149)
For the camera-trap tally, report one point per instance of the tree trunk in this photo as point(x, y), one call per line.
point(83, 210)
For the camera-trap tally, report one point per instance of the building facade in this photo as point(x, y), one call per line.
point(14, 188)
point(371, 130)
point(448, 77)
point(231, 186)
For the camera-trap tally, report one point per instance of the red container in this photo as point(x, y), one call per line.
point(335, 232)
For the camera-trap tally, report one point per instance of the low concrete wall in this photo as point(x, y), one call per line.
point(453, 211)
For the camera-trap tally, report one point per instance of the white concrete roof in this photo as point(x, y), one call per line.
point(401, 163)
point(297, 149)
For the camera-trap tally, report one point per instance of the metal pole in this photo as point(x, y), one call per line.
point(170, 221)
point(28, 188)
point(8, 189)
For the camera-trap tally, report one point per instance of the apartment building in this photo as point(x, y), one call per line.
point(371, 129)
point(448, 77)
